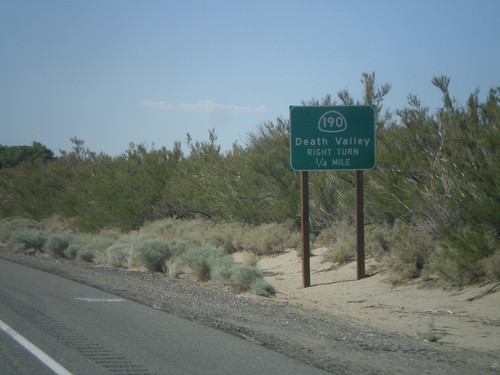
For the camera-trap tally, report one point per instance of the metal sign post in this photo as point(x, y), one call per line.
point(304, 224)
point(324, 138)
point(360, 226)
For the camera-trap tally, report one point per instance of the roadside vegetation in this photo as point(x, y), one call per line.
point(192, 248)
point(431, 207)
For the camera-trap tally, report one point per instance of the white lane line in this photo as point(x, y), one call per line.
point(92, 299)
point(44, 358)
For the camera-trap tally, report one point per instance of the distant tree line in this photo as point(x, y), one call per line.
point(10, 156)
point(438, 168)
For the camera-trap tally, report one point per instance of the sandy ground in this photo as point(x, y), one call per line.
point(414, 309)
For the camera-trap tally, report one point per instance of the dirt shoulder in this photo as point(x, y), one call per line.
point(321, 337)
point(468, 318)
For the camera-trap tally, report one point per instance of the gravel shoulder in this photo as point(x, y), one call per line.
point(325, 340)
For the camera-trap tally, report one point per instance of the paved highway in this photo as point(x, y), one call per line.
point(49, 324)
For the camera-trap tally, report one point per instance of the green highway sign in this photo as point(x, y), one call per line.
point(332, 138)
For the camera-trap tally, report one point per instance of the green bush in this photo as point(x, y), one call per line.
point(87, 247)
point(206, 261)
point(432, 334)
point(76, 246)
point(462, 255)
point(262, 288)
point(405, 249)
point(153, 252)
point(219, 239)
point(104, 239)
point(242, 277)
point(410, 249)
point(377, 240)
point(27, 240)
point(85, 253)
point(13, 225)
point(491, 266)
point(58, 243)
point(116, 255)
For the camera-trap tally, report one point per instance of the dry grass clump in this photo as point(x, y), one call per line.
point(261, 240)
point(404, 249)
point(268, 239)
point(341, 241)
point(491, 266)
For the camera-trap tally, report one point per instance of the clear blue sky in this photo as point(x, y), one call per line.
point(112, 72)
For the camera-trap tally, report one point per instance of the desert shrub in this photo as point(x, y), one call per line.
point(166, 229)
point(404, 248)
point(491, 266)
point(197, 260)
point(221, 265)
point(377, 240)
point(410, 249)
point(250, 259)
point(150, 253)
point(57, 243)
point(81, 249)
point(241, 277)
point(432, 334)
point(341, 236)
point(161, 227)
point(337, 231)
point(86, 255)
point(153, 252)
point(194, 232)
point(401, 270)
point(342, 253)
point(212, 263)
point(233, 235)
point(55, 224)
point(220, 239)
point(76, 246)
point(28, 240)
point(116, 255)
point(206, 262)
point(327, 236)
point(174, 267)
point(104, 239)
point(15, 225)
point(87, 247)
point(263, 239)
point(463, 254)
point(262, 288)
point(269, 239)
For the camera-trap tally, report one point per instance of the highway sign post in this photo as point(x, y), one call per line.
point(324, 138)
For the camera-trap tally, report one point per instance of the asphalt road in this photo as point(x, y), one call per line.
point(88, 331)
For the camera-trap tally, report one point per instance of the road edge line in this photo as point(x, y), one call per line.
point(33, 349)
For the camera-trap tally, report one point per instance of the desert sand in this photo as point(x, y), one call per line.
point(466, 318)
